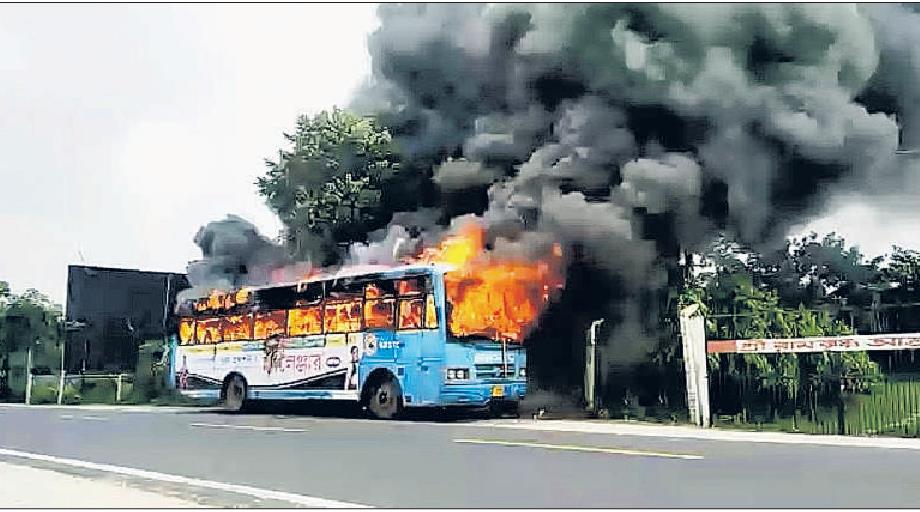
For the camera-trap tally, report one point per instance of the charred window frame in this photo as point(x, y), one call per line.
point(414, 293)
point(377, 293)
point(411, 313)
point(334, 325)
point(413, 286)
point(343, 295)
point(309, 297)
point(296, 316)
point(208, 330)
point(187, 330)
point(276, 316)
point(230, 324)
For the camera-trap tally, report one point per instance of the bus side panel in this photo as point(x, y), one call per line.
point(292, 368)
point(380, 352)
point(422, 368)
point(431, 358)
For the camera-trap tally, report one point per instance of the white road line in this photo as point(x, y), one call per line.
point(246, 427)
point(111, 408)
point(582, 448)
point(94, 418)
point(265, 494)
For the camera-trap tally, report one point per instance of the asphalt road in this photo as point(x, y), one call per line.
point(459, 463)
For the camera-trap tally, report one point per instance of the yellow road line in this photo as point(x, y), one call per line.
point(579, 448)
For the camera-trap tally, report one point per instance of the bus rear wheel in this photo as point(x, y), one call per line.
point(385, 401)
point(235, 393)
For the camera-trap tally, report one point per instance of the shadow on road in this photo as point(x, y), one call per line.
point(334, 409)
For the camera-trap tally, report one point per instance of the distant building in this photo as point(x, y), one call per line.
point(110, 311)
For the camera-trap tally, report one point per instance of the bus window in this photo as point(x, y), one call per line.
point(380, 289)
point(343, 317)
point(201, 305)
point(207, 330)
point(431, 313)
point(342, 290)
point(269, 323)
point(410, 313)
point(411, 286)
point(187, 331)
point(241, 296)
point(236, 327)
point(215, 301)
point(378, 313)
point(281, 297)
point(305, 321)
point(309, 293)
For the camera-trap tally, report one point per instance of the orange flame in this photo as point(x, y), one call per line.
point(489, 295)
point(496, 297)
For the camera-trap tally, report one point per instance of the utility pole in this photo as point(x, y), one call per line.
point(29, 376)
point(60, 397)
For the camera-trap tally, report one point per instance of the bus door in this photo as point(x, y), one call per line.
point(420, 352)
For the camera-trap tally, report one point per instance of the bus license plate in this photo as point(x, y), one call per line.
point(498, 391)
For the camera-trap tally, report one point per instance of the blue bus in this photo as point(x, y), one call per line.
point(379, 337)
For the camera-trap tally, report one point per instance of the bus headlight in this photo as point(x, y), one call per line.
point(522, 372)
point(458, 374)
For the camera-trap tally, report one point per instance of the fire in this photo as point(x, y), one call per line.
point(489, 295)
point(499, 298)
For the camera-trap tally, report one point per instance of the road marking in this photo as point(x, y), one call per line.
point(90, 418)
point(580, 448)
point(266, 494)
point(246, 427)
point(719, 435)
point(112, 408)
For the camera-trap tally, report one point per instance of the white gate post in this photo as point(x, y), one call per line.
point(693, 340)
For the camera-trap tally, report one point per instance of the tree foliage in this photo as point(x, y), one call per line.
point(28, 319)
point(327, 187)
point(746, 295)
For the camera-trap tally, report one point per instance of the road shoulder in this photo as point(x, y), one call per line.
point(25, 486)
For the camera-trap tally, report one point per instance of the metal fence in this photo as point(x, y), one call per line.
point(92, 388)
point(888, 405)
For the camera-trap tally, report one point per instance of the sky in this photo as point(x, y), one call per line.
point(125, 128)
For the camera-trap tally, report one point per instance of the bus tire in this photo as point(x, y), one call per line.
point(385, 400)
point(235, 393)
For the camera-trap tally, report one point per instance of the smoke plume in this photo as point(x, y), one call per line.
point(235, 254)
point(631, 132)
point(628, 133)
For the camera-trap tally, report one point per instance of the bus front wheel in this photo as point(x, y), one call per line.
point(385, 401)
point(235, 393)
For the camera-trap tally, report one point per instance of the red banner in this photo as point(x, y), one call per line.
point(856, 343)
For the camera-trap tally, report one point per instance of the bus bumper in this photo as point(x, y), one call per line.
point(481, 394)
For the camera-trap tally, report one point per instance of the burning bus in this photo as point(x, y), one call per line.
point(445, 329)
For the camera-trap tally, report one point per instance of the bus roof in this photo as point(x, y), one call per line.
point(379, 271)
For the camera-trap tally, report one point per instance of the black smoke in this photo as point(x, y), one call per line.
point(633, 132)
point(234, 254)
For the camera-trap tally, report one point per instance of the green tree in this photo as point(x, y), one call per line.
point(327, 186)
point(28, 319)
point(903, 268)
point(740, 297)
